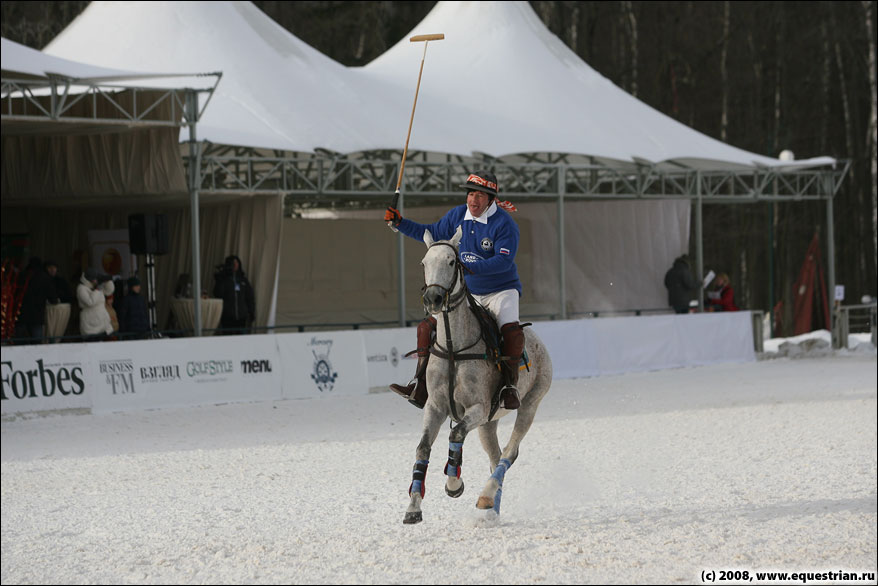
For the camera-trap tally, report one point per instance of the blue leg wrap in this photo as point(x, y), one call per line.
point(418, 475)
point(455, 459)
point(498, 475)
point(497, 497)
point(500, 471)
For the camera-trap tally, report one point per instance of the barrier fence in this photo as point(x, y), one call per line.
point(182, 372)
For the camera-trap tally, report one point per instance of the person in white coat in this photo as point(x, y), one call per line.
point(91, 293)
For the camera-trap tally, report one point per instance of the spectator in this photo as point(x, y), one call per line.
point(40, 289)
point(114, 319)
point(721, 296)
point(62, 287)
point(91, 293)
point(133, 314)
point(239, 303)
point(680, 284)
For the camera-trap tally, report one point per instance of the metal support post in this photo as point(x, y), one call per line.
point(830, 265)
point(562, 265)
point(194, 177)
point(699, 241)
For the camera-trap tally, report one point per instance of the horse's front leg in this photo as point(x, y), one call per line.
point(475, 416)
point(432, 422)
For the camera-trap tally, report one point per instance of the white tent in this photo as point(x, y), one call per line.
point(277, 91)
point(499, 84)
point(517, 88)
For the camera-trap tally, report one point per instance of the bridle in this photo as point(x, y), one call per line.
point(449, 300)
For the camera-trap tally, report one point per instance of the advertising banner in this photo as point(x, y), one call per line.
point(323, 363)
point(45, 377)
point(385, 356)
point(182, 372)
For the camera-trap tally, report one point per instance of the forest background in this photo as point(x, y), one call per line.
point(762, 76)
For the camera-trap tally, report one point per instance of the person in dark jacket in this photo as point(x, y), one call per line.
point(239, 302)
point(133, 314)
point(40, 290)
point(62, 287)
point(681, 284)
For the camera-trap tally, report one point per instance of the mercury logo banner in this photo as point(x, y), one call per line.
point(323, 375)
point(43, 381)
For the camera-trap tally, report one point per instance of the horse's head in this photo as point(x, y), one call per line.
point(441, 272)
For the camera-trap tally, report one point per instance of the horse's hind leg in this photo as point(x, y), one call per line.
point(432, 422)
point(490, 497)
point(475, 415)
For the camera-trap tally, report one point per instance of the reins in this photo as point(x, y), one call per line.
point(450, 303)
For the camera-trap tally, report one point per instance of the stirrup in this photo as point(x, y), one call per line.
point(509, 398)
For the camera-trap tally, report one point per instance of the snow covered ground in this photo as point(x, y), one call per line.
point(636, 478)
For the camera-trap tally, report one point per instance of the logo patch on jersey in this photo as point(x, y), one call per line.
point(487, 244)
point(504, 251)
point(470, 257)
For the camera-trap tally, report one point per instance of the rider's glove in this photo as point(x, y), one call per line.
point(392, 217)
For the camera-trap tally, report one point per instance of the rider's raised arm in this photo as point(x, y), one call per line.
point(442, 230)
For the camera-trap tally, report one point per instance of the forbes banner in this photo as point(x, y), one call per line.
point(44, 378)
point(323, 363)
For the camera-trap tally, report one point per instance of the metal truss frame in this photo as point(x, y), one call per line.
point(327, 179)
point(24, 100)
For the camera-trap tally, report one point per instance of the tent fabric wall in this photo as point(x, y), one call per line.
point(614, 261)
point(64, 163)
point(250, 228)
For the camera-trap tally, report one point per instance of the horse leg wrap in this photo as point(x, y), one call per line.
point(498, 475)
point(455, 459)
point(419, 474)
point(500, 471)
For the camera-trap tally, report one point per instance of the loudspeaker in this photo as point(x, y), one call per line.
point(148, 233)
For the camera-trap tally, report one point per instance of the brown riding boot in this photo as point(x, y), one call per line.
point(513, 347)
point(416, 390)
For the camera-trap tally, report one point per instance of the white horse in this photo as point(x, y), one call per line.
point(462, 382)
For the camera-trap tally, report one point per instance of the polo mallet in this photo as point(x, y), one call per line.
point(415, 39)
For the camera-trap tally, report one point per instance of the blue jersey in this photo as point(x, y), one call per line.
point(487, 249)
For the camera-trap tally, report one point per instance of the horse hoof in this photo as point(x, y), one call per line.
point(454, 493)
point(485, 503)
point(412, 518)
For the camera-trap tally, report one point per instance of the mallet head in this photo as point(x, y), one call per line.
point(433, 37)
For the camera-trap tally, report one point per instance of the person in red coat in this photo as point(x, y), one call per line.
point(721, 297)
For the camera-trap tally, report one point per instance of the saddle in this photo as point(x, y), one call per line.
point(490, 333)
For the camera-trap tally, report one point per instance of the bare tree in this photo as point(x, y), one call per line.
point(631, 21)
point(724, 74)
point(871, 130)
